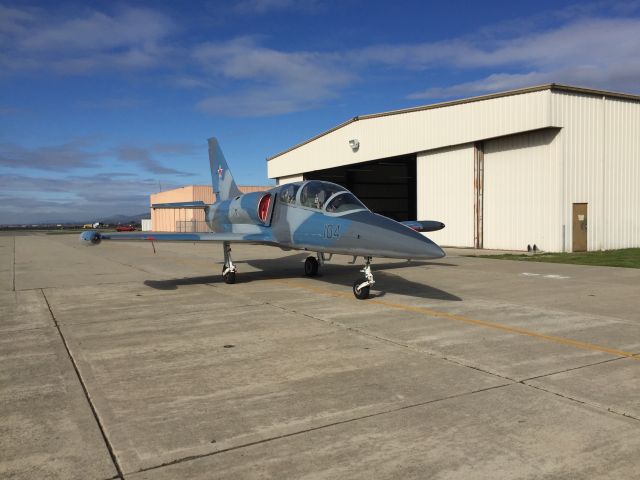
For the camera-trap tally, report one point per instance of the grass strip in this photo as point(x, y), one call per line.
point(627, 258)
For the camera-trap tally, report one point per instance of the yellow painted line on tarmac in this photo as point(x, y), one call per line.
point(472, 321)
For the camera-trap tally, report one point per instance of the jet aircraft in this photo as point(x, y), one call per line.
point(315, 216)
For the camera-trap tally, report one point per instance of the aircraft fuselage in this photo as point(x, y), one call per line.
point(299, 222)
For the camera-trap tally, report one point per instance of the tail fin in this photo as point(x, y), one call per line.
point(221, 179)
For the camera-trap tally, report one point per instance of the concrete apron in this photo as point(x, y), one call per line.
point(454, 370)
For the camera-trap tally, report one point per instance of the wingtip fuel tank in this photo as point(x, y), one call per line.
point(90, 238)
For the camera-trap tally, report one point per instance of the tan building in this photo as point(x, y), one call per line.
point(186, 219)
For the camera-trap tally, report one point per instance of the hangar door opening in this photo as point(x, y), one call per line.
point(522, 188)
point(386, 186)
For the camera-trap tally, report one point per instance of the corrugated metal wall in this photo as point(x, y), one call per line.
point(445, 193)
point(621, 210)
point(166, 219)
point(404, 133)
point(581, 151)
point(600, 148)
point(522, 193)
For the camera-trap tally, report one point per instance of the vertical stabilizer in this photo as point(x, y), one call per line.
point(221, 179)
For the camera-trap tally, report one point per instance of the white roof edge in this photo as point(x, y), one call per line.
point(519, 91)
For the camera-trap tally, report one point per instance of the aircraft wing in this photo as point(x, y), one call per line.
point(94, 238)
point(424, 225)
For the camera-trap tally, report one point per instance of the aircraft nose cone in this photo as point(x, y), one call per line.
point(417, 246)
point(387, 238)
point(428, 247)
point(434, 249)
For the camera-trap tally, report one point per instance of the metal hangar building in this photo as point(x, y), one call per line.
point(554, 165)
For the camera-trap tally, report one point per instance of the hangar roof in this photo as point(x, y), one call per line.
point(549, 86)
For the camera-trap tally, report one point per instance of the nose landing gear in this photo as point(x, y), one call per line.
point(362, 286)
point(229, 269)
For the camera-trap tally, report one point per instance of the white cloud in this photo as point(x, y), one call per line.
point(244, 77)
point(67, 156)
point(84, 154)
point(185, 81)
point(266, 6)
point(29, 199)
point(272, 81)
point(13, 20)
point(99, 31)
point(131, 38)
point(492, 83)
point(591, 52)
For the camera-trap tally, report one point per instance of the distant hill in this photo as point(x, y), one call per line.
point(111, 219)
point(115, 219)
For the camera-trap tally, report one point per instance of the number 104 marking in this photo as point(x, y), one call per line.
point(331, 231)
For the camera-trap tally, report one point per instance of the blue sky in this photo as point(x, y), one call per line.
point(103, 102)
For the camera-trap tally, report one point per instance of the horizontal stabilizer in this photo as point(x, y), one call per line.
point(424, 225)
point(198, 204)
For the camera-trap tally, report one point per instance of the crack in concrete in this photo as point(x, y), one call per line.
point(112, 454)
point(126, 319)
point(522, 382)
point(395, 342)
point(572, 369)
point(320, 427)
point(582, 402)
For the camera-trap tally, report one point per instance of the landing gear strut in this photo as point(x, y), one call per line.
point(361, 286)
point(229, 269)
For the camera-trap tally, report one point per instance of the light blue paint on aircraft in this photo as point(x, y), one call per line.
point(316, 216)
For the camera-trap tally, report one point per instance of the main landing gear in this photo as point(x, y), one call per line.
point(229, 269)
point(361, 286)
point(312, 265)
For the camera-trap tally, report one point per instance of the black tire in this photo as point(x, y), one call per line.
point(229, 277)
point(360, 293)
point(311, 267)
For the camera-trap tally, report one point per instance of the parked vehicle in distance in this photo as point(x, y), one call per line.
point(125, 228)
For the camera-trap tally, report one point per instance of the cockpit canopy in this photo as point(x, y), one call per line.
point(321, 195)
point(344, 202)
point(288, 192)
point(314, 194)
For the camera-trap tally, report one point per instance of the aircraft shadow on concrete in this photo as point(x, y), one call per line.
point(291, 267)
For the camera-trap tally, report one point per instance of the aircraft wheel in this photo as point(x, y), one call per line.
point(360, 293)
point(229, 277)
point(311, 267)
